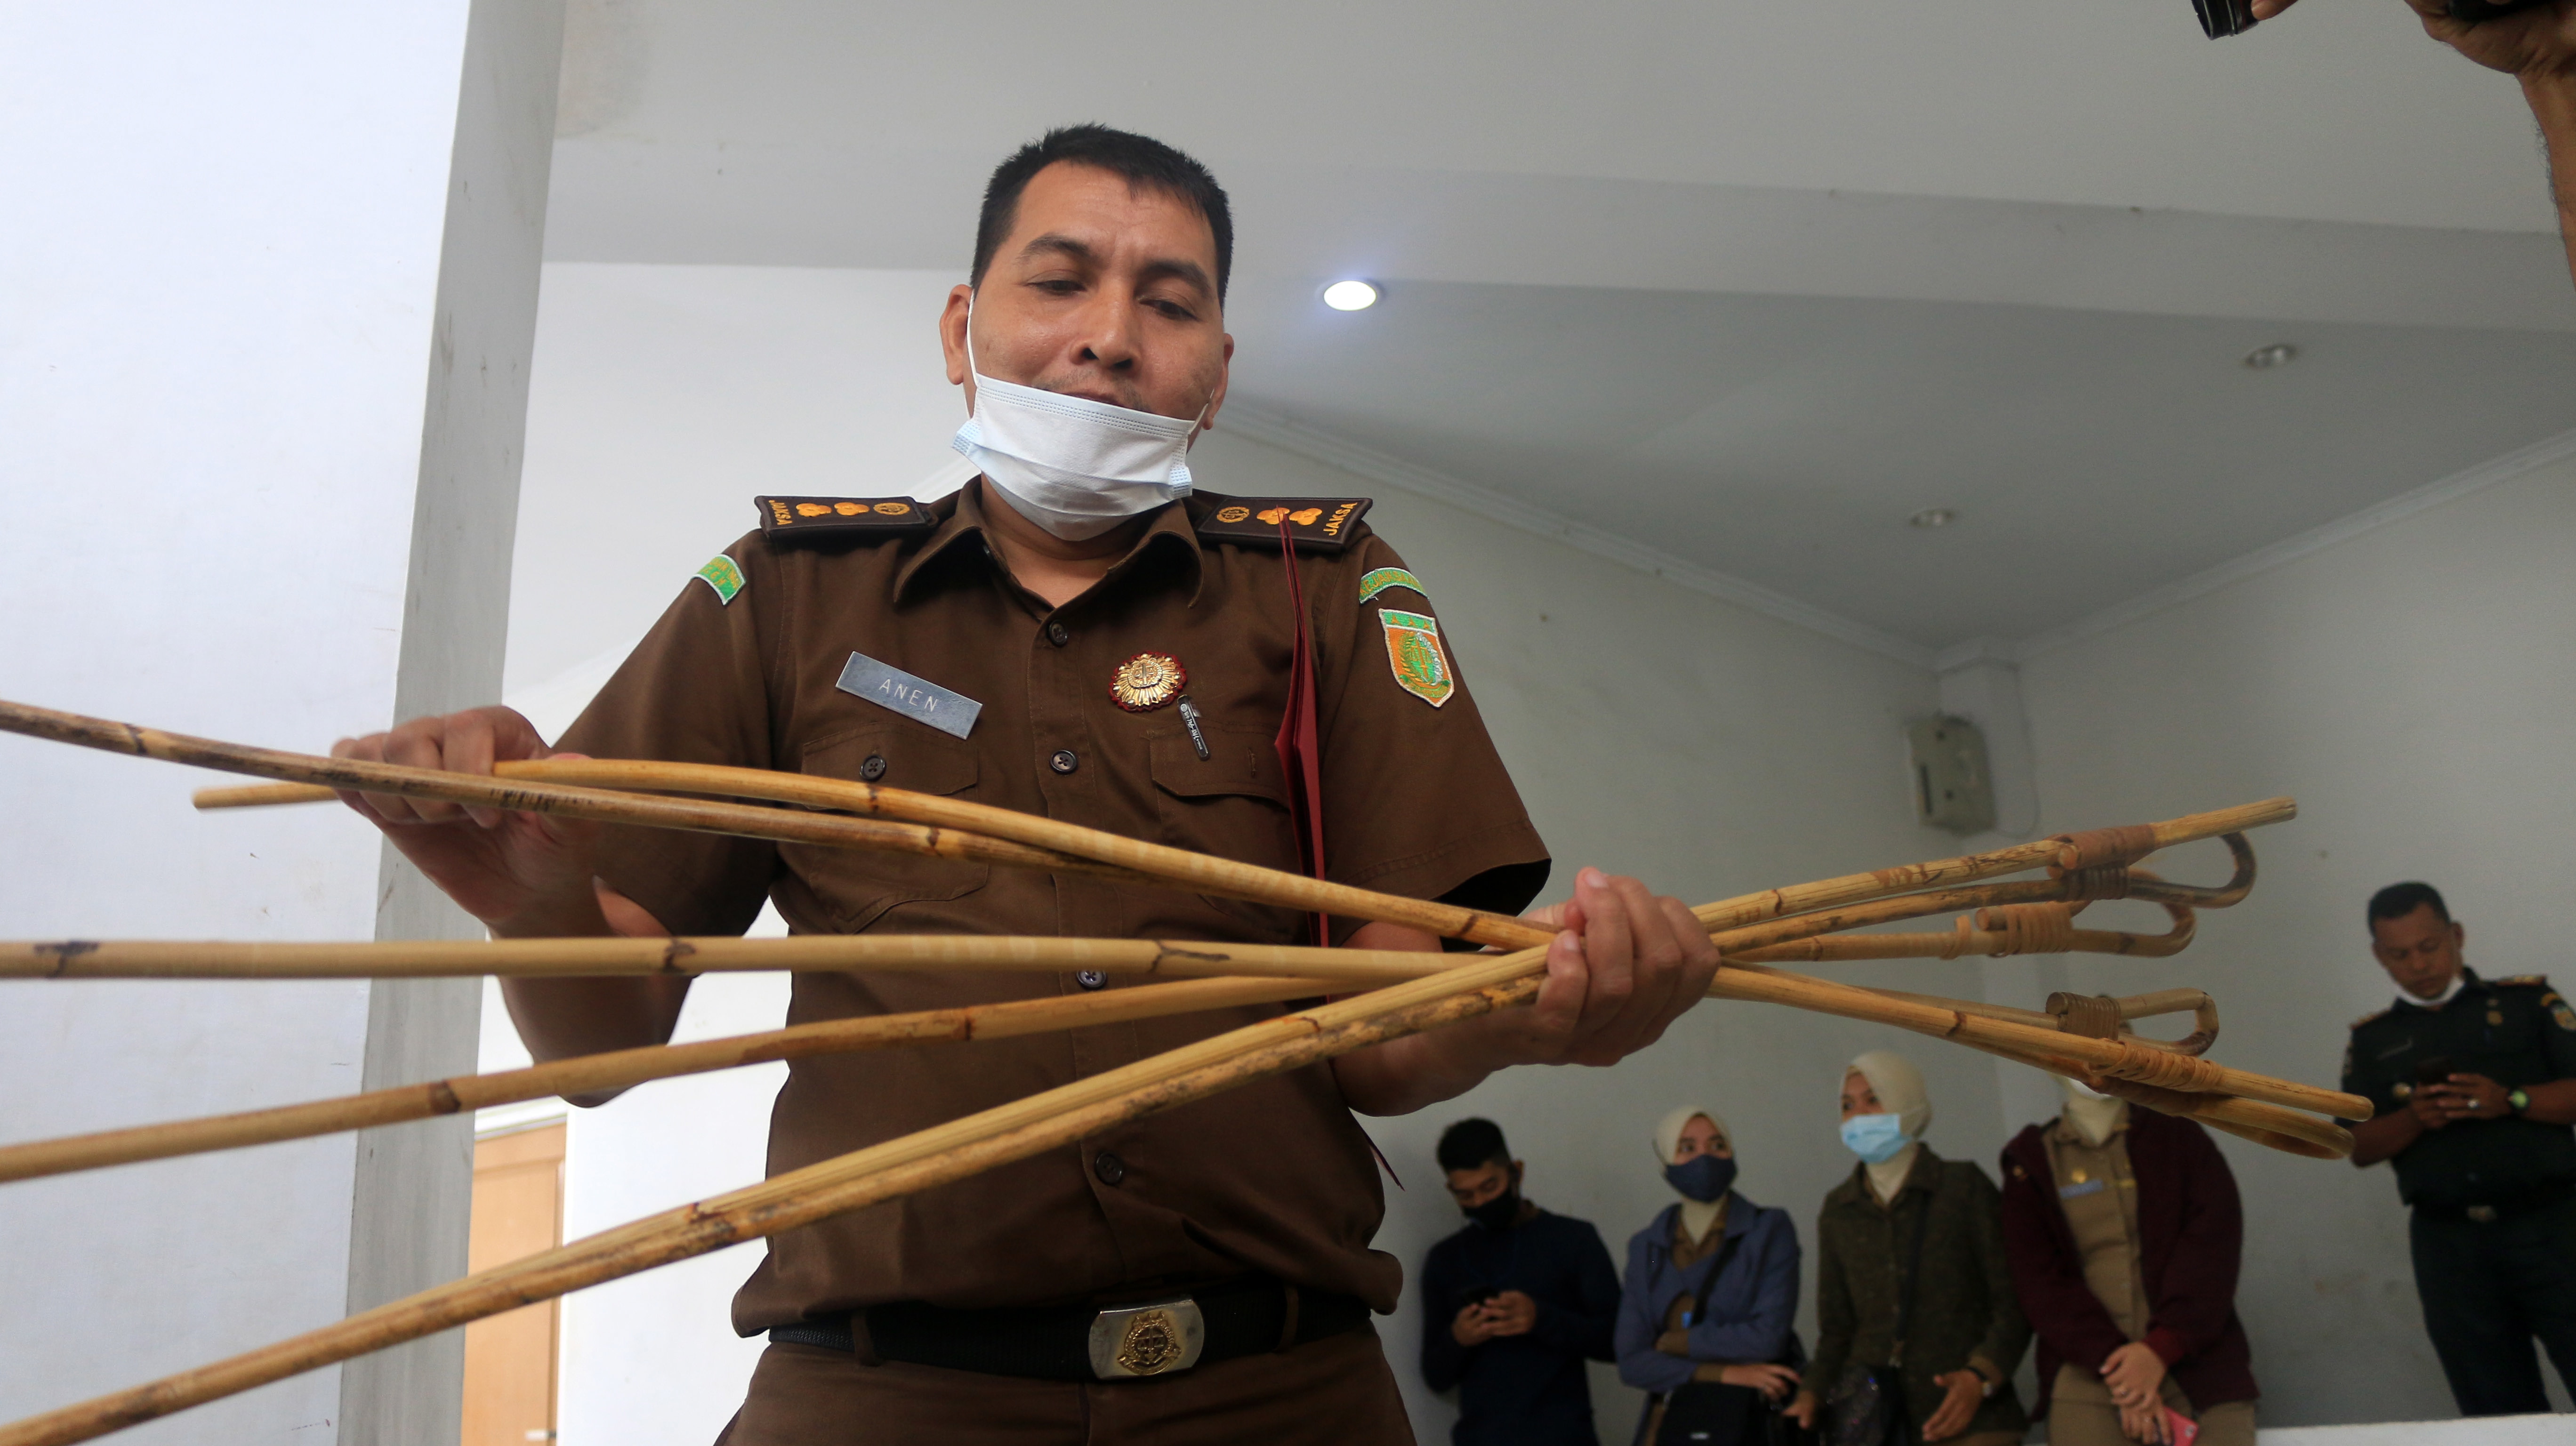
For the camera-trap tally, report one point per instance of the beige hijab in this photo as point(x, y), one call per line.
point(1697, 1216)
point(1900, 1090)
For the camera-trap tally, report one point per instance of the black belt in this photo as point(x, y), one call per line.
point(2506, 1206)
point(1091, 1343)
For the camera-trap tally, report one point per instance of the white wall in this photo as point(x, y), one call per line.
point(2412, 687)
point(242, 289)
point(1651, 730)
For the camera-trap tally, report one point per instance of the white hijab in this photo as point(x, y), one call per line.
point(1899, 1087)
point(2094, 1114)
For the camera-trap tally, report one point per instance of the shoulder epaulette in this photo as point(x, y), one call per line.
point(2372, 1018)
point(1318, 524)
point(2523, 981)
point(787, 519)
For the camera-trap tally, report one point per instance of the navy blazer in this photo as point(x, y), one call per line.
point(1750, 1310)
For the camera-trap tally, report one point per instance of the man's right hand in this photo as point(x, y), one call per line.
point(1473, 1327)
point(2533, 44)
point(522, 874)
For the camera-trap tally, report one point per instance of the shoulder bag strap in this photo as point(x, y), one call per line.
point(1725, 1252)
point(1913, 1270)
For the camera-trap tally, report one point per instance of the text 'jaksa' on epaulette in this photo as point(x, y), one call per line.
point(1315, 524)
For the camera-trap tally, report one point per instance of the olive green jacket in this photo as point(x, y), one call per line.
point(1965, 1313)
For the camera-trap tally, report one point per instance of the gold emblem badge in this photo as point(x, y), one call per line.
point(893, 509)
point(1147, 681)
point(812, 509)
point(1152, 1343)
point(1413, 651)
point(849, 509)
point(1232, 514)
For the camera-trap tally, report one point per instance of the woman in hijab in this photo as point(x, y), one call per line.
point(1711, 1285)
point(2125, 1232)
point(1906, 1213)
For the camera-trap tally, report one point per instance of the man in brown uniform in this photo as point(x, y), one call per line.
point(1061, 639)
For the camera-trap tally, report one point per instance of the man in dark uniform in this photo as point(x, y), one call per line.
point(2475, 1082)
point(1076, 634)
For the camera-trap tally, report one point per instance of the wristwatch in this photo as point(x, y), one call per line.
point(2516, 1101)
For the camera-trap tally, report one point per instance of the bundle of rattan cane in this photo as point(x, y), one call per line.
point(2082, 1038)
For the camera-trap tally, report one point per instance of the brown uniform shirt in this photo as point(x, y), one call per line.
point(2099, 1193)
point(1272, 1177)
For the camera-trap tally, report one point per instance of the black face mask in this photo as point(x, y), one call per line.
point(1503, 1211)
point(1500, 1213)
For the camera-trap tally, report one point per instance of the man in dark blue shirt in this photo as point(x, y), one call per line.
point(1513, 1304)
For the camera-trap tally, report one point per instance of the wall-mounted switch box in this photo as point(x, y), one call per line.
point(1952, 787)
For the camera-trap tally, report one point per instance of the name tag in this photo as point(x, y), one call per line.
point(2069, 1192)
point(891, 687)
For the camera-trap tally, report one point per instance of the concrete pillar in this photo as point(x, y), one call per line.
point(266, 307)
point(1981, 683)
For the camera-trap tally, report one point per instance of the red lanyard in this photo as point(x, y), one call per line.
point(1299, 743)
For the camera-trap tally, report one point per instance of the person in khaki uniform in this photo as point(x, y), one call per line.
point(2124, 1233)
point(1079, 634)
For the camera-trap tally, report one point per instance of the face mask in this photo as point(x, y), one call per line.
point(1702, 1177)
point(1503, 1211)
point(1875, 1138)
point(1071, 465)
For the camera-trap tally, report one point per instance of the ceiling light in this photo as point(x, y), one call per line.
point(1934, 517)
point(1351, 295)
point(2264, 358)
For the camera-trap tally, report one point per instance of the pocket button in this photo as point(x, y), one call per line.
point(874, 768)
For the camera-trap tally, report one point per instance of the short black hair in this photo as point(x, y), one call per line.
point(1470, 1143)
point(2399, 900)
point(1142, 160)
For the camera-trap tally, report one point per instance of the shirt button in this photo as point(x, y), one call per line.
point(1092, 979)
point(1057, 635)
point(1064, 761)
point(874, 768)
point(1108, 1167)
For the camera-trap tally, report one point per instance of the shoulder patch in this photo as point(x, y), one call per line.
point(722, 575)
point(1383, 578)
point(1413, 650)
point(1318, 524)
point(2371, 1018)
point(787, 519)
point(2523, 981)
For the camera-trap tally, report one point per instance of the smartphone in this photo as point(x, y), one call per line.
point(2180, 1430)
point(2222, 18)
point(2433, 1070)
point(1480, 1295)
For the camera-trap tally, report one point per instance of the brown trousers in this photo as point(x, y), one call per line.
point(1325, 1393)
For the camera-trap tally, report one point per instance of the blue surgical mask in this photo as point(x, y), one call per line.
point(1875, 1138)
point(1704, 1178)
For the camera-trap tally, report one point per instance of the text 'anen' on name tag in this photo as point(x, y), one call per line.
point(891, 687)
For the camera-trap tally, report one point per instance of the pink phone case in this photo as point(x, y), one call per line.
point(2180, 1429)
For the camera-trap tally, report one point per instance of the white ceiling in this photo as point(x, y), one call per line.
point(1748, 284)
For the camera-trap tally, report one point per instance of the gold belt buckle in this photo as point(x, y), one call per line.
point(2482, 1214)
point(1147, 1340)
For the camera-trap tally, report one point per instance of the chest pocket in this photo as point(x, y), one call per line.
point(2514, 1051)
point(857, 886)
point(1233, 804)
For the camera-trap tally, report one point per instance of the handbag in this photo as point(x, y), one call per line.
point(1710, 1413)
point(1867, 1407)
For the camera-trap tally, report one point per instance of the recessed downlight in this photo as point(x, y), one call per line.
point(2278, 354)
point(1934, 517)
point(1351, 295)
